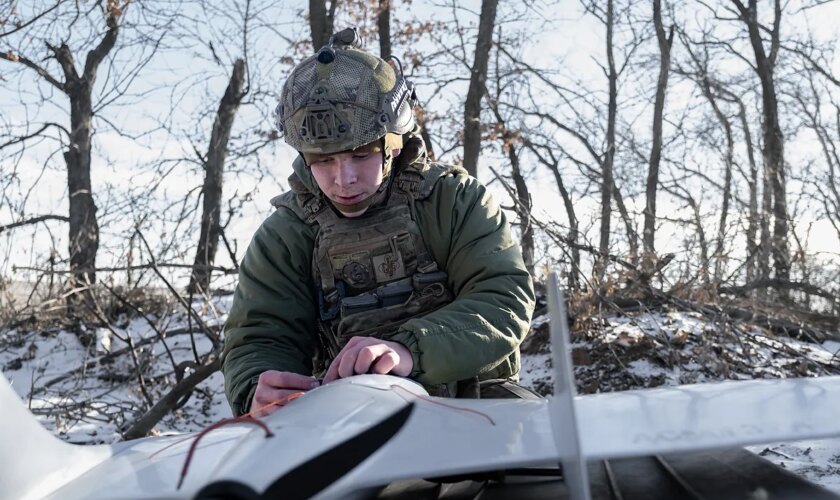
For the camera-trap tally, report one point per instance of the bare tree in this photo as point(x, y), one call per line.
point(665, 42)
point(606, 15)
point(511, 144)
point(383, 27)
point(607, 181)
point(773, 140)
point(825, 124)
point(757, 258)
point(547, 157)
point(321, 21)
point(714, 92)
point(679, 191)
point(477, 88)
point(78, 87)
point(214, 163)
point(817, 102)
point(383, 23)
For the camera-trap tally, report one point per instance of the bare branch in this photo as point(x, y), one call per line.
point(34, 220)
point(31, 21)
point(96, 55)
point(9, 56)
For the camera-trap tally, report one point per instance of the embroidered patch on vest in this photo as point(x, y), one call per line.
point(388, 267)
point(356, 274)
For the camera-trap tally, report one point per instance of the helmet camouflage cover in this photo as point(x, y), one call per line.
point(342, 98)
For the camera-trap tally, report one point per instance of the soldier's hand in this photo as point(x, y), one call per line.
point(275, 386)
point(370, 355)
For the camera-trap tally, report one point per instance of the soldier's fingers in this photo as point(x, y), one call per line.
point(286, 380)
point(355, 340)
point(348, 362)
point(264, 396)
point(367, 356)
point(332, 371)
point(386, 362)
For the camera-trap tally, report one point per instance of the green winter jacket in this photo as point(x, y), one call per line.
point(272, 322)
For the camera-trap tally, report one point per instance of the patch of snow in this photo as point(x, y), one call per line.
point(817, 460)
point(539, 321)
point(644, 368)
point(537, 372)
point(832, 346)
point(103, 340)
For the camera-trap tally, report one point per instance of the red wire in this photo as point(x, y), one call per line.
point(252, 413)
point(280, 402)
point(235, 420)
point(252, 419)
point(247, 418)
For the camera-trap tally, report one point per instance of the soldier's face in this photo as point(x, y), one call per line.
point(348, 177)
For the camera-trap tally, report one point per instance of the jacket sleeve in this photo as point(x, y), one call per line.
point(271, 324)
point(479, 333)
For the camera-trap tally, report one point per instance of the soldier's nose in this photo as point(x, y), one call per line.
point(346, 175)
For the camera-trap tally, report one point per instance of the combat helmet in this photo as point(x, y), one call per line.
point(342, 98)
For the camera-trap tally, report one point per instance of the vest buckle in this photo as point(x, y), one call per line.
point(335, 298)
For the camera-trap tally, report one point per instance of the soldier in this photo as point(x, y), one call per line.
point(377, 260)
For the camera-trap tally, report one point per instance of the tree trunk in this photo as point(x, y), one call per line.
point(478, 77)
point(773, 141)
point(629, 228)
point(754, 218)
point(523, 205)
point(607, 165)
point(383, 25)
point(765, 237)
point(211, 192)
point(701, 240)
point(728, 164)
point(84, 229)
point(574, 228)
point(658, 109)
point(321, 22)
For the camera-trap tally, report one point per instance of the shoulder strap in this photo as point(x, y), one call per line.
point(300, 201)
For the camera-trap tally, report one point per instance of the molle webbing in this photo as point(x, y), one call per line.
point(300, 200)
point(373, 272)
point(364, 253)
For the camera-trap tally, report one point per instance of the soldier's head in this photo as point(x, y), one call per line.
point(345, 111)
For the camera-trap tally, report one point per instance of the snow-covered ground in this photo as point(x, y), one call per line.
point(88, 395)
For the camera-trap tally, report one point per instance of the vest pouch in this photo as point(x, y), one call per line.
point(359, 304)
point(433, 283)
point(387, 320)
point(394, 294)
point(422, 280)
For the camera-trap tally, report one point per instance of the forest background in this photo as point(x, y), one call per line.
point(679, 152)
